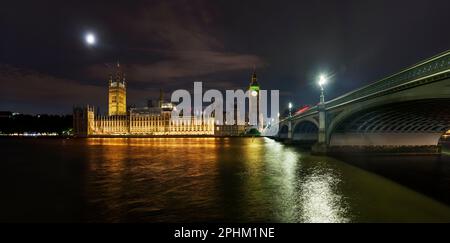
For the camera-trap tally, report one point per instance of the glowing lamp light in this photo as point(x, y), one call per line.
point(290, 105)
point(322, 80)
point(254, 93)
point(90, 39)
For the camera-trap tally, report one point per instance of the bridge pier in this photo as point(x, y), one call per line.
point(321, 147)
point(322, 125)
point(290, 132)
point(290, 136)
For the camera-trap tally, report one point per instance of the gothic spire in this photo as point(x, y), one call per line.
point(254, 80)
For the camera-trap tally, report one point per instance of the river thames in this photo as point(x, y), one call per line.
point(212, 180)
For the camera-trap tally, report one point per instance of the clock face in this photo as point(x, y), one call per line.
point(254, 93)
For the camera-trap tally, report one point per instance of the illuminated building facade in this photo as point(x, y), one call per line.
point(87, 124)
point(147, 121)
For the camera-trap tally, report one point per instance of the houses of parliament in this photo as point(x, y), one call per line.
point(153, 120)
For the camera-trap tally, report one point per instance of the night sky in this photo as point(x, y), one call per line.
point(46, 67)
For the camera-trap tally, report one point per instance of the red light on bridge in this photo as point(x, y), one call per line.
point(302, 110)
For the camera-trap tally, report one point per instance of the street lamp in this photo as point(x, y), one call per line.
point(290, 109)
point(322, 82)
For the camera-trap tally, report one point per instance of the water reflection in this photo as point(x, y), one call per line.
point(228, 180)
point(148, 179)
point(321, 203)
point(200, 180)
point(308, 191)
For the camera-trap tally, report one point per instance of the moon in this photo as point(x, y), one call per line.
point(90, 39)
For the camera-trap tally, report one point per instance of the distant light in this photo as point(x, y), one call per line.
point(322, 80)
point(290, 105)
point(167, 106)
point(254, 93)
point(90, 39)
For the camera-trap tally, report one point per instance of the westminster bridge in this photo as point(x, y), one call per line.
point(408, 109)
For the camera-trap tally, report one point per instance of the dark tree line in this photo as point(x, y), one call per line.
point(35, 123)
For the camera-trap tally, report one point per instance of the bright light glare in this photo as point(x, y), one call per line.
point(90, 39)
point(322, 80)
point(290, 105)
point(254, 93)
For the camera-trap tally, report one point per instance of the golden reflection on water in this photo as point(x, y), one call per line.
point(229, 180)
point(150, 142)
point(133, 179)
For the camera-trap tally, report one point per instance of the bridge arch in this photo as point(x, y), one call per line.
point(407, 123)
point(306, 131)
point(437, 90)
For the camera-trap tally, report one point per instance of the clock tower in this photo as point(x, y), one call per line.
point(254, 111)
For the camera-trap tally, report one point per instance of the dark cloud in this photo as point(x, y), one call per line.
point(170, 44)
point(32, 92)
point(187, 65)
point(28, 88)
point(184, 41)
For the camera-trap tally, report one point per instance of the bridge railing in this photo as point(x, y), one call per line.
point(434, 65)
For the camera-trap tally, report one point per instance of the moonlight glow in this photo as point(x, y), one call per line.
point(90, 39)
